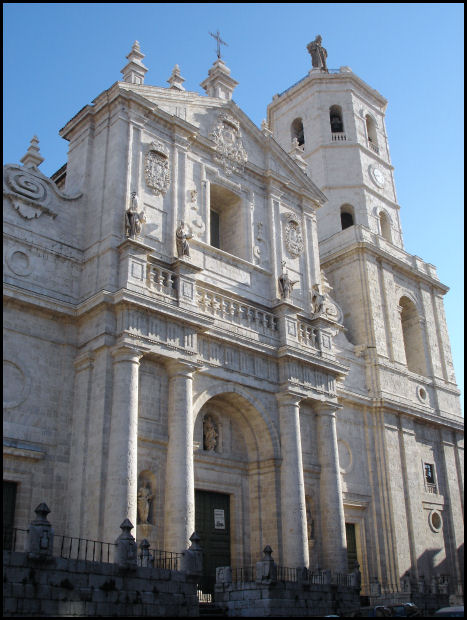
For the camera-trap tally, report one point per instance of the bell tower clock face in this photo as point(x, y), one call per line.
point(377, 176)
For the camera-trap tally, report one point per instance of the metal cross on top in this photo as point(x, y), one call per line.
point(217, 36)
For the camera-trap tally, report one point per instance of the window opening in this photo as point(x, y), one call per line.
point(297, 131)
point(347, 218)
point(215, 229)
point(335, 118)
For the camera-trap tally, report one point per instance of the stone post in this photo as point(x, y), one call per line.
point(126, 547)
point(192, 559)
point(41, 535)
point(145, 556)
point(334, 544)
point(266, 570)
point(179, 485)
point(122, 475)
point(294, 533)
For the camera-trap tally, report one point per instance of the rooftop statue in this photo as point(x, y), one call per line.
point(318, 54)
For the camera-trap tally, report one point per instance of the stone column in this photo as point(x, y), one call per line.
point(334, 544)
point(122, 473)
point(294, 529)
point(179, 483)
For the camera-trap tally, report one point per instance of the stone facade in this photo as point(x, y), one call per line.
point(183, 270)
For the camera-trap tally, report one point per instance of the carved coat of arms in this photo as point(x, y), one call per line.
point(229, 146)
point(293, 235)
point(156, 168)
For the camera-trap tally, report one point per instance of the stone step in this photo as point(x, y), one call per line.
point(212, 610)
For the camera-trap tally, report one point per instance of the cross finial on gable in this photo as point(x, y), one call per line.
point(217, 36)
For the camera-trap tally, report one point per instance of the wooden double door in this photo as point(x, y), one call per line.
point(212, 524)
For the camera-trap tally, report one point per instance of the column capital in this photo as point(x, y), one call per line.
point(177, 367)
point(326, 408)
point(84, 361)
point(126, 353)
point(288, 398)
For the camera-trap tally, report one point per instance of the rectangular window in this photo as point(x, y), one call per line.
point(429, 473)
point(215, 229)
point(351, 546)
point(430, 478)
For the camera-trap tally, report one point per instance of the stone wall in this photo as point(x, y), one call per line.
point(65, 587)
point(287, 599)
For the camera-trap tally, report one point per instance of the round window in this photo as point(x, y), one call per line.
point(435, 520)
point(422, 394)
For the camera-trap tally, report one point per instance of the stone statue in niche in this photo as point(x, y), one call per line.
point(210, 434)
point(285, 283)
point(144, 500)
point(182, 236)
point(318, 54)
point(134, 220)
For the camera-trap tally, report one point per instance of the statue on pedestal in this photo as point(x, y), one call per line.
point(318, 54)
point(134, 220)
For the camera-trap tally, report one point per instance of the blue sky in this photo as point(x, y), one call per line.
point(59, 57)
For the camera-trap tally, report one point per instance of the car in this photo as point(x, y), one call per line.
point(379, 611)
point(450, 612)
point(404, 610)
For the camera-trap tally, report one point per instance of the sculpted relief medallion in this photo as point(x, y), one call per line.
point(156, 168)
point(229, 146)
point(293, 236)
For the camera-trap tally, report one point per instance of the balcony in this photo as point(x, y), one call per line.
point(338, 136)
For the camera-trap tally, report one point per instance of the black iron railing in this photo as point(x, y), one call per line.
point(74, 548)
point(157, 558)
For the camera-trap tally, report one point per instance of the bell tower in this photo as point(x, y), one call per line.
point(391, 301)
point(338, 121)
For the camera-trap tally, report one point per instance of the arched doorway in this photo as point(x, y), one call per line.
point(236, 480)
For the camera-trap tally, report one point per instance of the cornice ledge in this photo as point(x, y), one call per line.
point(334, 367)
point(363, 245)
point(30, 298)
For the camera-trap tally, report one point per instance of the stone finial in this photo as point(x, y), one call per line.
point(219, 83)
point(192, 558)
point(266, 570)
point(32, 157)
point(41, 535)
point(176, 80)
point(297, 154)
point(265, 128)
point(134, 71)
point(145, 555)
point(126, 546)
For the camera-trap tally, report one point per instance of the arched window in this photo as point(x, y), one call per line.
point(385, 226)
point(335, 118)
point(296, 131)
point(371, 133)
point(347, 216)
point(412, 336)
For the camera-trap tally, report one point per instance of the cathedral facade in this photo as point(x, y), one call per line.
point(212, 326)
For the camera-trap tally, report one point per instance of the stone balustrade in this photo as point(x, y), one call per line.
point(161, 280)
point(234, 311)
point(308, 336)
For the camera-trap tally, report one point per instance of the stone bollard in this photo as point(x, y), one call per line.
point(126, 547)
point(192, 558)
point(41, 535)
point(146, 560)
point(266, 570)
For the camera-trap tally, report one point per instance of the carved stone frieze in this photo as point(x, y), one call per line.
point(156, 167)
point(229, 146)
point(293, 235)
